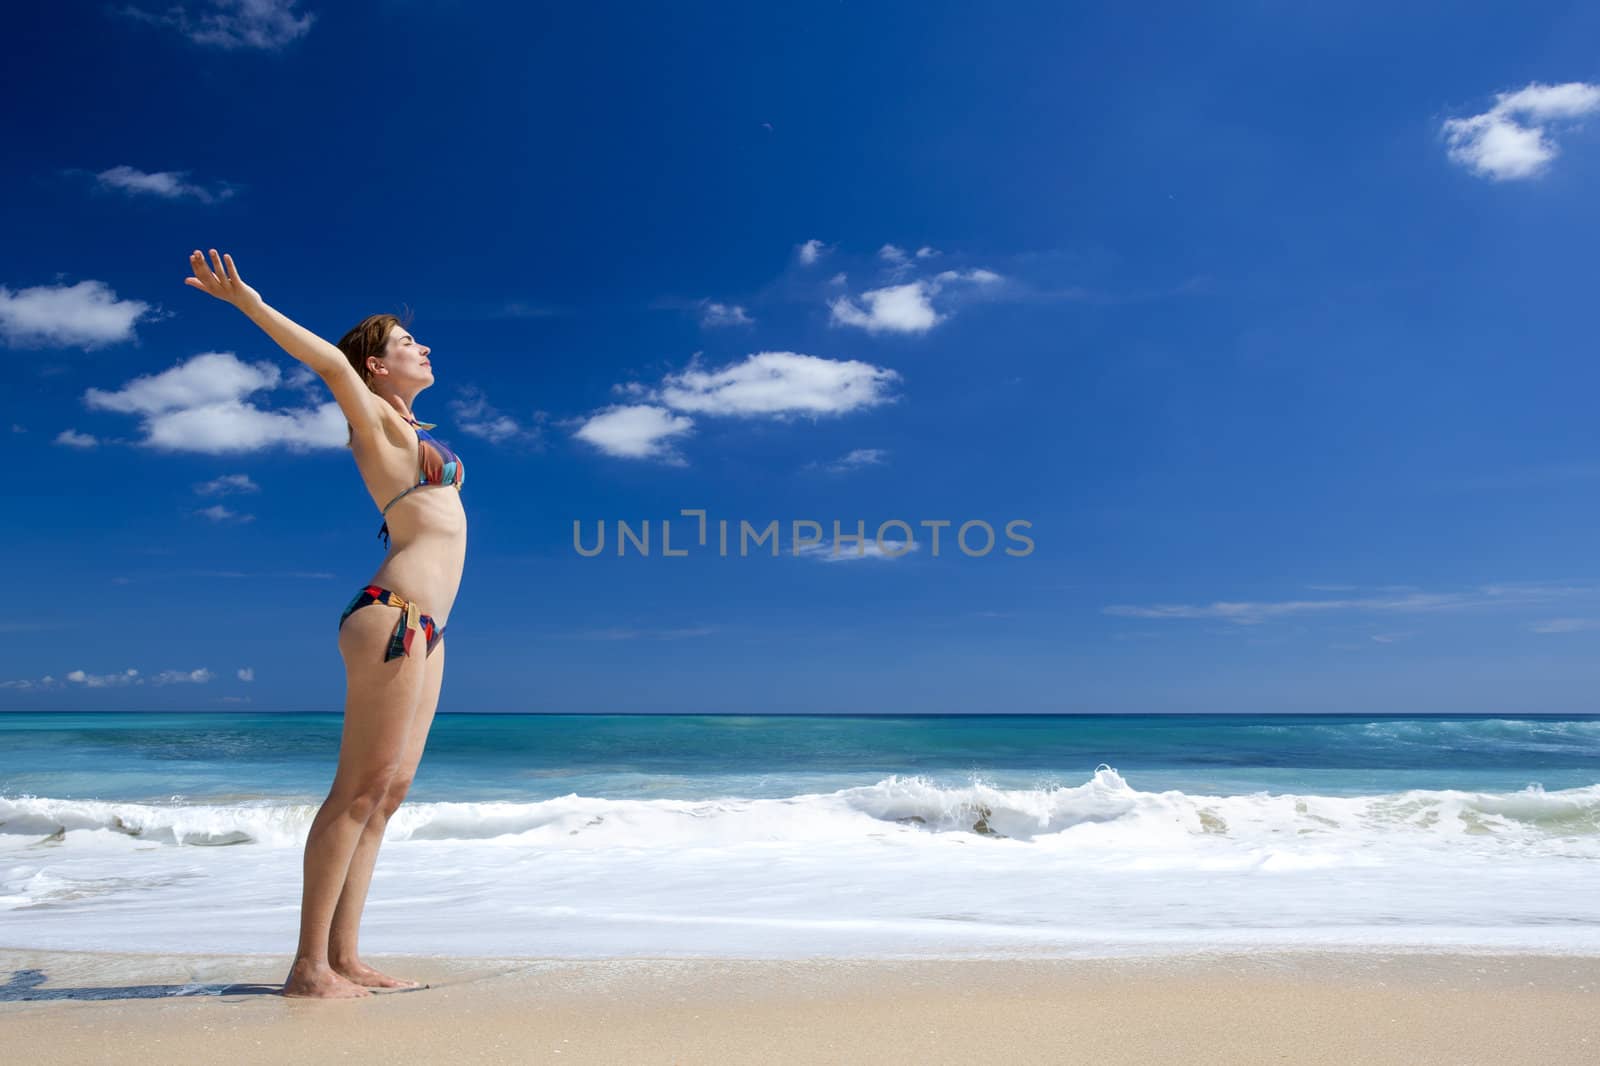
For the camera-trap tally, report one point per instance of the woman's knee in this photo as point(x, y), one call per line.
point(395, 794)
point(366, 794)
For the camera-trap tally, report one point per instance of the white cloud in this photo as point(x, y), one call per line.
point(45, 682)
point(890, 253)
point(636, 431)
point(856, 457)
point(230, 428)
point(219, 513)
point(715, 314)
point(1565, 625)
point(167, 184)
point(1256, 612)
point(863, 457)
point(73, 439)
point(212, 377)
point(127, 677)
point(182, 677)
point(766, 384)
point(810, 252)
point(199, 406)
point(87, 315)
point(226, 485)
point(246, 673)
point(625, 633)
point(1511, 140)
point(850, 551)
point(229, 24)
point(907, 308)
point(838, 279)
point(475, 416)
point(778, 384)
point(977, 275)
point(897, 309)
point(926, 253)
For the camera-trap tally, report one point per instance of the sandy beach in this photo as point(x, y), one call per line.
point(1301, 1007)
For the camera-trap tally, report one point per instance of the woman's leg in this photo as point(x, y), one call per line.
point(343, 953)
point(379, 700)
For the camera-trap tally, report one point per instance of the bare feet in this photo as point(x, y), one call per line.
point(360, 973)
point(317, 980)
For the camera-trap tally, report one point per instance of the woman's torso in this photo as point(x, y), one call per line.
point(427, 527)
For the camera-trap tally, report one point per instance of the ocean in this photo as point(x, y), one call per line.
point(581, 836)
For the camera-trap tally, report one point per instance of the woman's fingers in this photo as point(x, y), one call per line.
point(220, 278)
point(201, 269)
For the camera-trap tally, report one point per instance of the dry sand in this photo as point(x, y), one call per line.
point(1302, 1007)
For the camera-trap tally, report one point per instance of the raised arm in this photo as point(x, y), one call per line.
point(221, 279)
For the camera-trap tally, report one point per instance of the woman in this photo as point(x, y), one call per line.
point(392, 677)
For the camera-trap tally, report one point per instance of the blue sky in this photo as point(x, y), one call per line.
point(1275, 324)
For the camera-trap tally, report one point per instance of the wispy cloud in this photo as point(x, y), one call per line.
point(849, 551)
point(87, 315)
point(1257, 612)
point(160, 577)
point(88, 680)
point(246, 673)
point(219, 513)
point(73, 439)
point(182, 677)
point(628, 633)
point(1512, 140)
point(477, 417)
point(227, 485)
point(852, 460)
point(1565, 625)
point(128, 677)
point(718, 314)
point(264, 25)
point(809, 252)
point(164, 184)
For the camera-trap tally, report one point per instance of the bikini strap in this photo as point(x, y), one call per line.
point(400, 497)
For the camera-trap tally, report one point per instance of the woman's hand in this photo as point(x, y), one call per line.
point(222, 282)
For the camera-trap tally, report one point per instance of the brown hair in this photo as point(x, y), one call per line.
point(367, 339)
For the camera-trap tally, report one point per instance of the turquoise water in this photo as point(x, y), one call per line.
point(154, 757)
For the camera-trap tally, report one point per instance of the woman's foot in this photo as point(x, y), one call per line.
point(360, 973)
point(317, 980)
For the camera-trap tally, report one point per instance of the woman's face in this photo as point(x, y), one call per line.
point(406, 358)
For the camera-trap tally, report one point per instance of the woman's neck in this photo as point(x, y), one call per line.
point(403, 407)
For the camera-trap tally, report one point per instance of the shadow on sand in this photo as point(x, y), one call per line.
point(28, 984)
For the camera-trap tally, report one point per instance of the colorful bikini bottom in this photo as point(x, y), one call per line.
point(412, 620)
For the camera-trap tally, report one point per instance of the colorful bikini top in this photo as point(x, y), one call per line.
point(447, 468)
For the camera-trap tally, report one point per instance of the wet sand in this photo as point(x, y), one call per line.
point(1281, 1007)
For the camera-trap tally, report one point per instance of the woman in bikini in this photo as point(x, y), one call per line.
point(392, 676)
